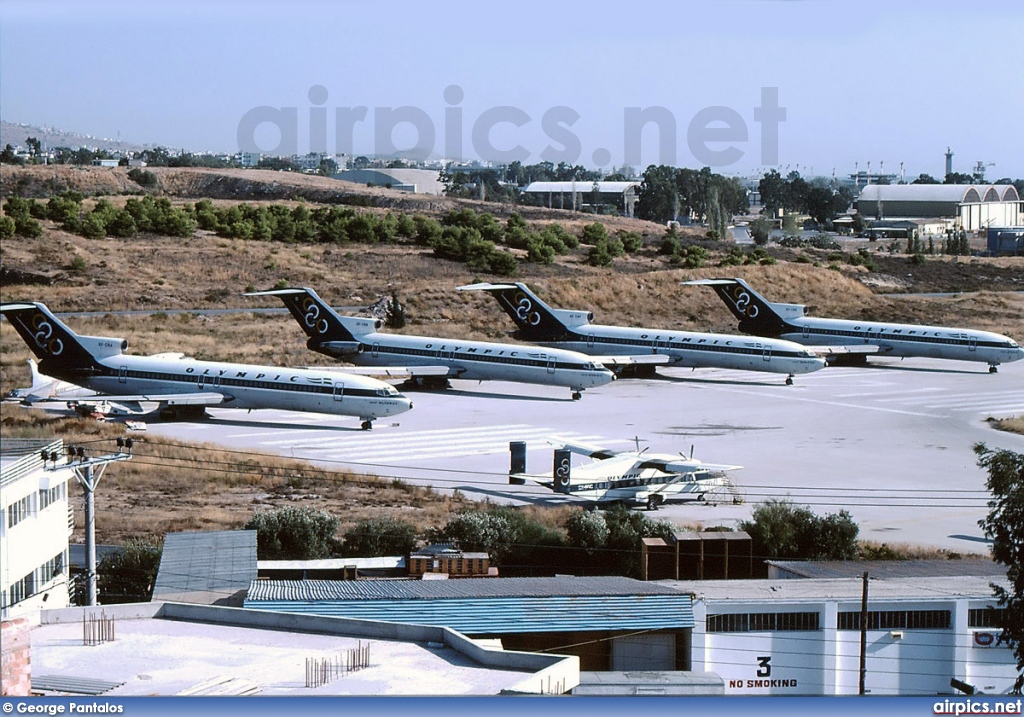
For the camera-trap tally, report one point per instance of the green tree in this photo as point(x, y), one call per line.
point(626, 530)
point(378, 537)
point(671, 241)
point(593, 233)
point(658, 199)
point(631, 241)
point(128, 575)
point(477, 530)
point(1004, 526)
point(760, 230)
point(925, 179)
point(6, 227)
point(7, 156)
point(780, 529)
point(587, 529)
point(958, 178)
point(293, 533)
point(772, 188)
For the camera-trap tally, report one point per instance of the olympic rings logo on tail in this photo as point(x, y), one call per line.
point(42, 332)
point(311, 317)
point(524, 311)
point(744, 304)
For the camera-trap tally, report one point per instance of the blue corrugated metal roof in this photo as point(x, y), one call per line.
point(509, 605)
point(444, 589)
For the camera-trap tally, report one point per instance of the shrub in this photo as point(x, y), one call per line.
point(293, 533)
point(378, 537)
point(142, 177)
point(6, 228)
point(781, 530)
point(93, 227)
point(760, 230)
point(593, 233)
point(127, 576)
point(631, 241)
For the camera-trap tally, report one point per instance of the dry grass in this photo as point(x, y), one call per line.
point(1010, 425)
point(170, 486)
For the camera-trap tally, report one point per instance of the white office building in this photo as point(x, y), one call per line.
point(35, 526)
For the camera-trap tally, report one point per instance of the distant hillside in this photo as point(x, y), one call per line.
point(16, 134)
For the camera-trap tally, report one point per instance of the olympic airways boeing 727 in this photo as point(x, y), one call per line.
point(539, 323)
point(172, 380)
point(761, 317)
point(357, 340)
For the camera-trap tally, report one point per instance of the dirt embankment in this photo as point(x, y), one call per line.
point(194, 183)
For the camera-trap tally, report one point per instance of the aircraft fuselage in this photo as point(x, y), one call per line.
point(243, 386)
point(473, 360)
point(905, 340)
point(691, 349)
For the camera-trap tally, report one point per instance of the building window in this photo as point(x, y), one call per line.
point(18, 511)
point(985, 617)
point(897, 620)
point(764, 622)
point(52, 495)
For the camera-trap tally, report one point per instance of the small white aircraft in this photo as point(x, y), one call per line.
point(636, 478)
point(571, 329)
point(177, 383)
point(761, 317)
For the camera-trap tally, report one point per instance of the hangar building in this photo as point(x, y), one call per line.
point(973, 207)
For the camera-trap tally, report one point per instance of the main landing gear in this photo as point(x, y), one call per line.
point(366, 425)
point(789, 380)
point(576, 395)
point(992, 368)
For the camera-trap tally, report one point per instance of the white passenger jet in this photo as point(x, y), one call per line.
point(761, 317)
point(185, 385)
point(358, 340)
point(539, 323)
point(636, 478)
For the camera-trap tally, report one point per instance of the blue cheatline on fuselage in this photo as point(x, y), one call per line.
point(97, 363)
point(358, 340)
point(539, 323)
point(761, 317)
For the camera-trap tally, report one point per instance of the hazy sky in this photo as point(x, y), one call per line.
point(860, 81)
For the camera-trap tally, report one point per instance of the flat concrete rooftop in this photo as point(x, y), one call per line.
point(167, 649)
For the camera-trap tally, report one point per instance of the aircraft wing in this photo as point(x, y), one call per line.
point(130, 404)
point(385, 372)
point(839, 350)
point(646, 359)
point(167, 399)
point(686, 465)
point(585, 449)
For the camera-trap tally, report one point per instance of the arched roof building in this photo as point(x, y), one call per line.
point(974, 207)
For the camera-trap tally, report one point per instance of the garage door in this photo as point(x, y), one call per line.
point(644, 652)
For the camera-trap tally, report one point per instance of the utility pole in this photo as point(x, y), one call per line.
point(90, 478)
point(863, 634)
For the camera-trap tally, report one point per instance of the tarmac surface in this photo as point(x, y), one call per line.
point(891, 442)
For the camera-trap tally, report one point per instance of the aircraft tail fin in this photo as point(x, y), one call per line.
point(535, 320)
point(320, 322)
point(59, 349)
point(517, 465)
point(561, 471)
point(756, 314)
